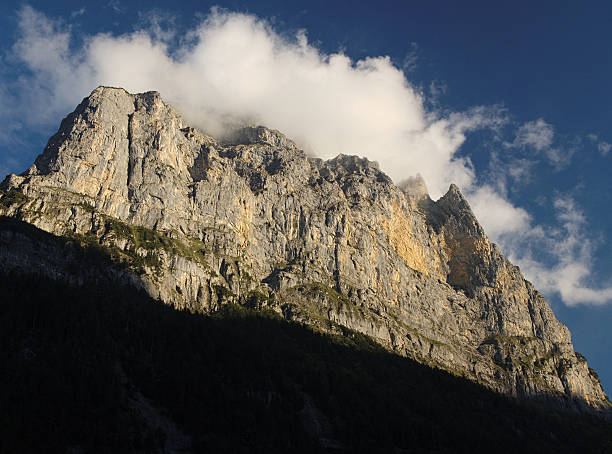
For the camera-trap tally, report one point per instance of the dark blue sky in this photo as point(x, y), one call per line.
point(548, 60)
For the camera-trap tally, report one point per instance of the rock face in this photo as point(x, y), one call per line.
point(334, 244)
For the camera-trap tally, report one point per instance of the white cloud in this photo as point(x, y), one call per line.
point(536, 134)
point(561, 158)
point(234, 69)
point(520, 170)
point(437, 90)
point(497, 214)
point(507, 172)
point(539, 136)
point(78, 12)
point(557, 258)
point(411, 59)
point(56, 79)
point(160, 25)
point(602, 146)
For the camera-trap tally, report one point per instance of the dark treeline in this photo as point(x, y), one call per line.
point(73, 359)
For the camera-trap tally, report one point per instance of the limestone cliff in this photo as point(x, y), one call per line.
point(334, 244)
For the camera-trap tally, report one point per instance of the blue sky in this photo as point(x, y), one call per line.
point(511, 101)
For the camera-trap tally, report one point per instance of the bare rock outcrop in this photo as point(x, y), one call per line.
point(334, 244)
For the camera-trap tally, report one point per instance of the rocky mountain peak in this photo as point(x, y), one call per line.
point(251, 135)
point(199, 223)
point(454, 200)
point(415, 187)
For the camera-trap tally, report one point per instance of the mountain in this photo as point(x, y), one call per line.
point(203, 224)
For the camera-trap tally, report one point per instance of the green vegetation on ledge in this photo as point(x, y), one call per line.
point(10, 198)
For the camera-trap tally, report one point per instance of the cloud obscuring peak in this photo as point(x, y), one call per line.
point(234, 69)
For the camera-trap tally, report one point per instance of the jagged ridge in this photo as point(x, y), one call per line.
point(329, 243)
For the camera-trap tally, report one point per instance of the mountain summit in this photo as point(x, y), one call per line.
point(253, 220)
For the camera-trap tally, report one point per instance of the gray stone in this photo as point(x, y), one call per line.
point(331, 243)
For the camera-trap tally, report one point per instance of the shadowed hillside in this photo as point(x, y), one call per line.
point(103, 368)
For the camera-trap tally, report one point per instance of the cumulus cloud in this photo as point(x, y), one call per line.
point(235, 69)
point(55, 79)
point(497, 214)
